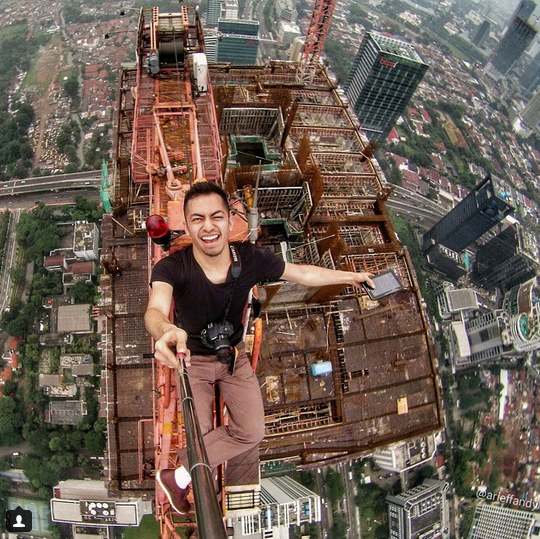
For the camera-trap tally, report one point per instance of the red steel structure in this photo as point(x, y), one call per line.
point(319, 28)
point(175, 143)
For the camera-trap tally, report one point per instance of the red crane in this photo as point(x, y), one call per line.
point(319, 27)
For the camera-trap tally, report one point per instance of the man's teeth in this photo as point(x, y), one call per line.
point(210, 238)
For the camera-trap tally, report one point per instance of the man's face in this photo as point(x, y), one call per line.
point(208, 223)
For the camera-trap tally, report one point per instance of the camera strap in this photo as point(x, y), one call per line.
point(236, 270)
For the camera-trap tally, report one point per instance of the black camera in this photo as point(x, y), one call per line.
point(216, 337)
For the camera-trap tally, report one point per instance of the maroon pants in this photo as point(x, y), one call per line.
point(242, 396)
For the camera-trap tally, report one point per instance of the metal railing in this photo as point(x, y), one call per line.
point(207, 510)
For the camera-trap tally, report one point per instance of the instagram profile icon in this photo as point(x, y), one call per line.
point(18, 520)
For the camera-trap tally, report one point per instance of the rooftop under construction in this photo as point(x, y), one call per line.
point(321, 200)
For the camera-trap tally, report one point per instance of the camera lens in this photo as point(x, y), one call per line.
point(225, 354)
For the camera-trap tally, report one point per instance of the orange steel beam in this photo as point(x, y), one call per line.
point(158, 147)
point(165, 190)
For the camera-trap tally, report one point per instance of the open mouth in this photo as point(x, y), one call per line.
point(211, 239)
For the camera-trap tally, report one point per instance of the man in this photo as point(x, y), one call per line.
point(209, 283)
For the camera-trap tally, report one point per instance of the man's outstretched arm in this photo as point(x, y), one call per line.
point(169, 339)
point(309, 275)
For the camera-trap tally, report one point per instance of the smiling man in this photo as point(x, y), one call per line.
point(208, 283)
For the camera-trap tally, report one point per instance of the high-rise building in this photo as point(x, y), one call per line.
point(530, 115)
point(238, 41)
point(85, 503)
point(420, 512)
point(213, 13)
point(229, 9)
point(384, 76)
point(446, 261)
point(508, 259)
point(492, 521)
point(531, 75)
point(288, 32)
point(478, 212)
point(211, 37)
point(481, 33)
point(509, 332)
point(296, 49)
point(286, 10)
point(522, 303)
point(519, 35)
point(286, 502)
point(481, 339)
point(454, 302)
point(403, 456)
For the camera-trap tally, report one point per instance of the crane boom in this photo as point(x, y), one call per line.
point(319, 28)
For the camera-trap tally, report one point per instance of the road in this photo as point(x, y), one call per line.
point(23, 447)
point(418, 199)
point(25, 202)
point(326, 510)
point(350, 508)
point(415, 207)
point(346, 506)
point(50, 184)
point(9, 259)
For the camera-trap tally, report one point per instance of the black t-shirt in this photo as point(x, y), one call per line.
point(198, 301)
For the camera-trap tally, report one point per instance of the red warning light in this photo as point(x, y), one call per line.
point(158, 229)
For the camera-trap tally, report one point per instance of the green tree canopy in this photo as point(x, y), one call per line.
point(10, 422)
point(334, 486)
point(9, 389)
point(5, 487)
point(25, 116)
point(82, 292)
point(94, 442)
point(38, 472)
point(71, 86)
point(37, 233)
point(39, 441)
point(339, 528)
point(5, 463)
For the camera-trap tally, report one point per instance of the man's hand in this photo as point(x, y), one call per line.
point(359, 278)
point(172, 343)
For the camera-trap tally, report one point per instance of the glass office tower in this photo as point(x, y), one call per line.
point(478, 212)
point(508, 259)
point(383, 78)
point(522, 30)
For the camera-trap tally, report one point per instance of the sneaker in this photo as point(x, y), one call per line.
point(176, 495)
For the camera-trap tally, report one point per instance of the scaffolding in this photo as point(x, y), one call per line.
point(348, 227)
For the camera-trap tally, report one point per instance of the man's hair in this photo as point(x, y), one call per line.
point(205, 188)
